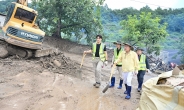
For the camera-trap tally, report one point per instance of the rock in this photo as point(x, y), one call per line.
point(57, 63)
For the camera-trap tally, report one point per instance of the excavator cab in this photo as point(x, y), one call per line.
point(20, 29)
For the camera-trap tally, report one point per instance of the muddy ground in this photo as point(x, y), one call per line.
point(38, 84)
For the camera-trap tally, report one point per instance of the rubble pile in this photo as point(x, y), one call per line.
point(59, 63)
point(56, 63)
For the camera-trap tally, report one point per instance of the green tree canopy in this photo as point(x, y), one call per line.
point(71, 17)
point(181, 47)
point(144, 31)
point(4, 4)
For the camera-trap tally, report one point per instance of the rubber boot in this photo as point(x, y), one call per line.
point(125, 89)
point(139, 87)
point(120, 84)
point(129, 88)
point(97, 85)
point(112, 82)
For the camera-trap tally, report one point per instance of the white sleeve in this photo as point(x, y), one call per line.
point(113, 59)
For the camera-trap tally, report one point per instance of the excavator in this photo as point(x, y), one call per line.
point(21, 35)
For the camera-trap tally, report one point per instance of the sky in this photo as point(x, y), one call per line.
point(137, 4)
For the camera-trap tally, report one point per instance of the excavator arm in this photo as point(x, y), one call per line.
point(23, 2)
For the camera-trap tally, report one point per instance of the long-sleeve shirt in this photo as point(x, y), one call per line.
point(146, 61)
point(130, 62)
point(113, 59)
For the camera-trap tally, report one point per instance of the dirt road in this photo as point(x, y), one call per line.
point(28, 85)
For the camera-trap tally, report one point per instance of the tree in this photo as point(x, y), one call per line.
point(71, 17)
point(146, 9)
point(144, 31)
point(175, 23)
point(181, 47)
point(4, 4)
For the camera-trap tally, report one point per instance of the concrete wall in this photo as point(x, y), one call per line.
point(2, 19)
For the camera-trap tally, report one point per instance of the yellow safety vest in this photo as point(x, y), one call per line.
point(101, 51)
point(116, 56)
point(142, 62)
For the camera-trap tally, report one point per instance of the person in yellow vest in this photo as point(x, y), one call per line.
point(99, 58)
point(130, 66)
point(117, 52)
point(143, 66)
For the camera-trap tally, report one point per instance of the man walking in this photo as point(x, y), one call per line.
point(143, 66)
point(117, 52)
point(99, 58)
point(130, 66)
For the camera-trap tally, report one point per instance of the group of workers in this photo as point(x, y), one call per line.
point(126, 61)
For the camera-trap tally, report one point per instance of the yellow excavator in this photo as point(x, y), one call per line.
point(21, 35)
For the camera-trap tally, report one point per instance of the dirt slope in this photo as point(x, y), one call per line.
point(38, 84)
point(71, 47)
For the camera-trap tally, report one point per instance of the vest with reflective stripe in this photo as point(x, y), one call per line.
point(101, 51)
point(142, 62)
point(116, 56)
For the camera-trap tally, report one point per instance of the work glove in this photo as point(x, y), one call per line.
point(106, 62)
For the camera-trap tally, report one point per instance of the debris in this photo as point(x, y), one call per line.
point(57, 63)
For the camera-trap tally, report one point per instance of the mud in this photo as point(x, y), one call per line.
point(65, 45)
point(71, 47)
point(41, 84)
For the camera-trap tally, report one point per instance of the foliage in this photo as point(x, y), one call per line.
point(173, 17)
point(181, 47)
point(71, 17)
point(111, 19)
point(76, 16)
point(175, 23)
point(144, 31)
point(4, 4)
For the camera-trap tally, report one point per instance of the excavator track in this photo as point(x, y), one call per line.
point(24, 53)
point(20, 52)
point(46, 52)
point(29, 54)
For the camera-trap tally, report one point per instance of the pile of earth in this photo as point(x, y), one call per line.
point(69, 46)
point(56, 63)
point(65, 45)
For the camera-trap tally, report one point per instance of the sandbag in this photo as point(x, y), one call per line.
point(165, 92)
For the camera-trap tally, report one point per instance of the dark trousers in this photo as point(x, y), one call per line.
point(140, 77)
